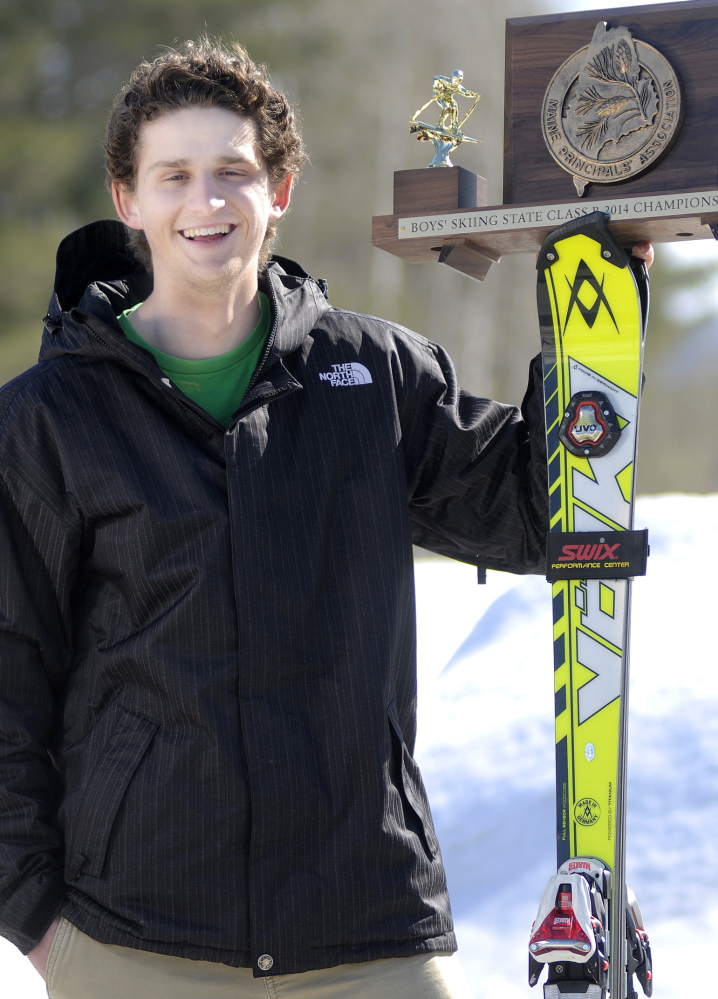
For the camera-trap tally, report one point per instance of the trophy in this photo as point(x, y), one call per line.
point(614, 115)
point(442, 185)
point(446, 134)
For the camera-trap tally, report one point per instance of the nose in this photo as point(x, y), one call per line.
point(204, 196)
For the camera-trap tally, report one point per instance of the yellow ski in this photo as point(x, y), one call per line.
point(592, 316)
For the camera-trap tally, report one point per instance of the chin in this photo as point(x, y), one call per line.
point(215, 279)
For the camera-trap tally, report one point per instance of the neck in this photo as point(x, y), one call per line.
point(196, 323)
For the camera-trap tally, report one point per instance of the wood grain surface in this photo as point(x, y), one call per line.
point(438, 188)
point(685, 33)
point(496, 244)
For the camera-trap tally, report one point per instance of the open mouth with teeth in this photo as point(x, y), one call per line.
point(207, 233)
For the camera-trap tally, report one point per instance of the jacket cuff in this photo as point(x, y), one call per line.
point(48, 899)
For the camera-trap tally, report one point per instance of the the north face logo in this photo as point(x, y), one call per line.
point(351, 373)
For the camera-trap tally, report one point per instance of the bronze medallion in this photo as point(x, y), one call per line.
point(612, 110)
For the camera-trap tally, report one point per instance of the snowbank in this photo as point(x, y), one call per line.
point(486, 747)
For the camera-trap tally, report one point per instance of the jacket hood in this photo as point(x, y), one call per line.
point(97, 277)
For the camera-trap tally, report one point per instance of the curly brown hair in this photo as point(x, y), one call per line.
point(204, 73)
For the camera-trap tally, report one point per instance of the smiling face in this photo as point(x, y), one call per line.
point(203, 198)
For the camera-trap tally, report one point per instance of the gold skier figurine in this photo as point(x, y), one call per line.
point(446, 134)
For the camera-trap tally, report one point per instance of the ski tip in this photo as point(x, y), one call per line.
point(593, 225)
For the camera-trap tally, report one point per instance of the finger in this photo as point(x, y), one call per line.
point(645, 252)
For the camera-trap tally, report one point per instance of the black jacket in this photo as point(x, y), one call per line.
point(207, 662)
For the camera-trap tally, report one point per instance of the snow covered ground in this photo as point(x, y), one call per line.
point(486, 750)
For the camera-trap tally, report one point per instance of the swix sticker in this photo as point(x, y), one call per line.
point(596, 554)
point(589, 553)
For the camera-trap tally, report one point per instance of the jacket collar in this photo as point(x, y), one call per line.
point(98, 277)
point(97, 252)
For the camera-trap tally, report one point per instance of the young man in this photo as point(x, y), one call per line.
point(209, 487)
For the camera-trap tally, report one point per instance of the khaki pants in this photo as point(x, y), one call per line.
point(81, 968)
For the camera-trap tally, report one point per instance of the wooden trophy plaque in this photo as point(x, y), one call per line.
point(613, 110)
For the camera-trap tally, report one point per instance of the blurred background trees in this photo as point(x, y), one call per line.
point(356, 72)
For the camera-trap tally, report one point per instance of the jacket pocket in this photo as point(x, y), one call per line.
point(411, 788)
point(105, 790)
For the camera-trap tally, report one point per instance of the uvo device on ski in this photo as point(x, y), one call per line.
point(592, 300)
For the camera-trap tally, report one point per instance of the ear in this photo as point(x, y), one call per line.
point(126, 205)
point(282, 196)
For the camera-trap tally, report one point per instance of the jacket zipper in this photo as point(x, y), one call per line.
point(269, 344)
point(265, 354)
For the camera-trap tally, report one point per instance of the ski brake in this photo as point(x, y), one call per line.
point(570, 935)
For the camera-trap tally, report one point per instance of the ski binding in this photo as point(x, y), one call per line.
point(570, 935)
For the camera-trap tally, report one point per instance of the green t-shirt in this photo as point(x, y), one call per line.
point(217, 384)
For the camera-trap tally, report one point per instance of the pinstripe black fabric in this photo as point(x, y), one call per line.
point(207, 677)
